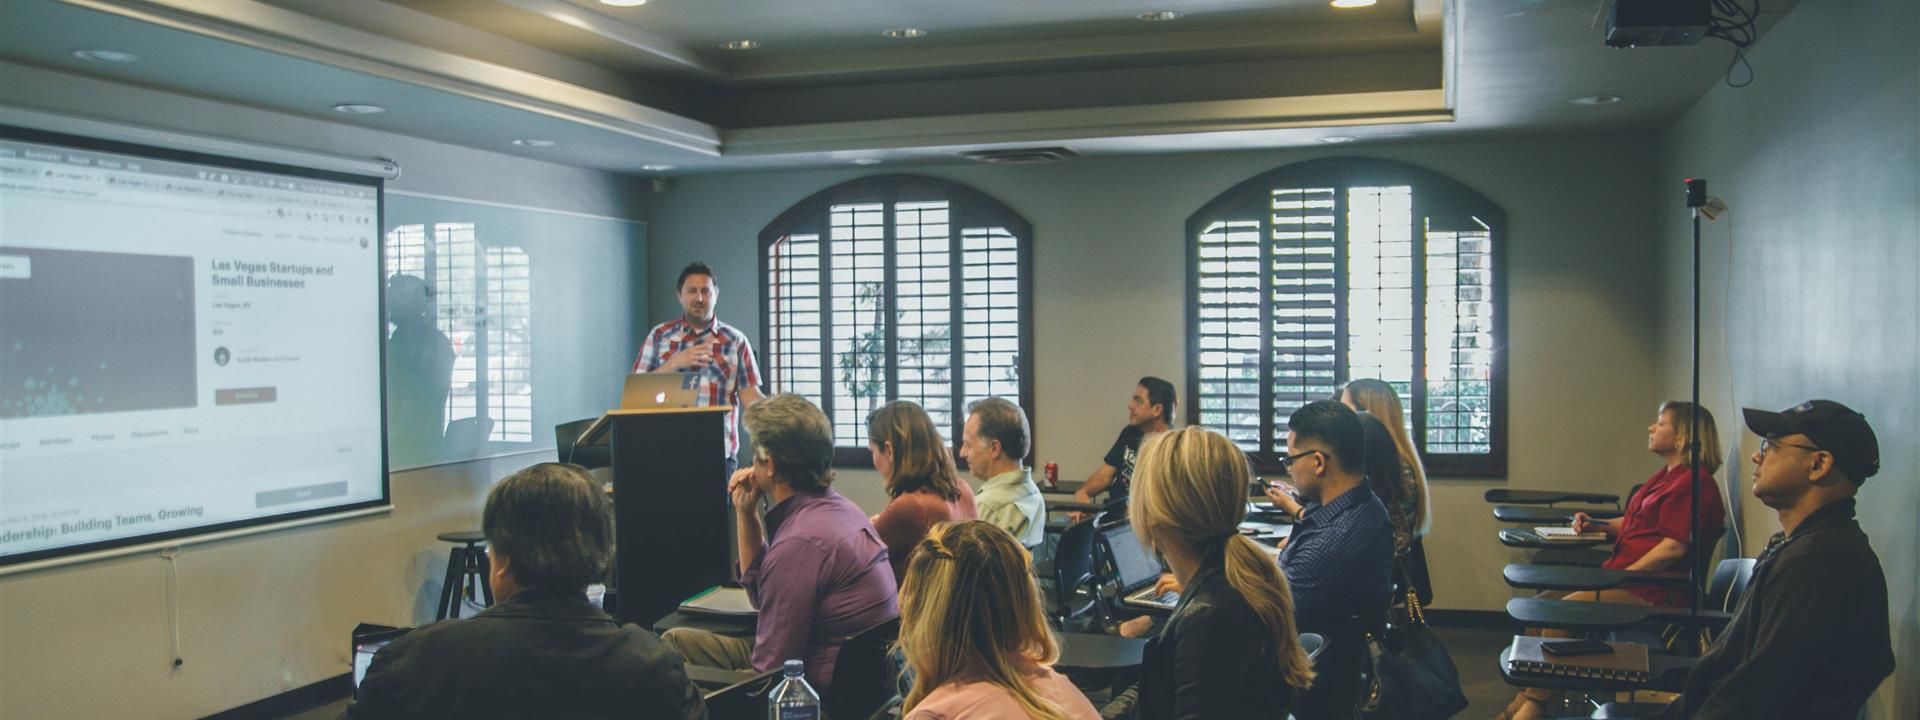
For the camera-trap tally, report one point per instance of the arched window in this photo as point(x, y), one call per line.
point(898, 287)
point(1330, 270)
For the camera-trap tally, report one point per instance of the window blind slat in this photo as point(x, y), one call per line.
point(1302, 276)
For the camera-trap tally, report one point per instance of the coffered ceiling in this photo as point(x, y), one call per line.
point(623, 88)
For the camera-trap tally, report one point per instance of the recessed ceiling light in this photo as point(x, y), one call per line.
point(623, 3)
point(1336, 139)
point(106, 56)
point(1351, 4)
point(739, 45)
point(656, 168)
point(530, 142)
point(1159, 15)
point(359, 109)
point(905, 33)
point(866, 161)
point(1596, 100)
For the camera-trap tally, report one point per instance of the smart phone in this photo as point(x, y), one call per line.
point(1570, 648)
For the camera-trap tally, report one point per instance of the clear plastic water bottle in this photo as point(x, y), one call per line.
point(793, 698)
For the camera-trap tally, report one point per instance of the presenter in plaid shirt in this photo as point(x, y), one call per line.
point(697, 342)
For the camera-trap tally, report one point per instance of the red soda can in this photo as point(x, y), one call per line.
point(1053, 475)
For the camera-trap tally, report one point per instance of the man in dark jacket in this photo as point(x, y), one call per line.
point(1811, 638)
point(542, 651)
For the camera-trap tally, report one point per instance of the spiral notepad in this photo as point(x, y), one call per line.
point(1627, 662)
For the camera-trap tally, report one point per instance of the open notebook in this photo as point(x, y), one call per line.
point(719, 600)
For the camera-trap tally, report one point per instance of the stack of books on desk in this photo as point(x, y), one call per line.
point(1627, 662)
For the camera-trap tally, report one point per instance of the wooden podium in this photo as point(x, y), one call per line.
point(670, 505)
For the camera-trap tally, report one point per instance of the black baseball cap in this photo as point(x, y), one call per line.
point(1833, 427)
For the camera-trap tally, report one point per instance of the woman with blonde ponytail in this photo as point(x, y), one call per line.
point(1230, 649)
point(974, 633)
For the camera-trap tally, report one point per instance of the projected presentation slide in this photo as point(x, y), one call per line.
point(185, 346)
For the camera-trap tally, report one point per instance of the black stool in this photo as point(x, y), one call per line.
point(467, 569)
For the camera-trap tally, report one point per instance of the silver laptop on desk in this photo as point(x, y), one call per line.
point(1136, 570)
point(661, 390)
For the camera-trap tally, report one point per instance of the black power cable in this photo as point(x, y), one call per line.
point(1738, 26)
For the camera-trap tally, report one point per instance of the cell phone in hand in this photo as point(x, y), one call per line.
point(1573, 648)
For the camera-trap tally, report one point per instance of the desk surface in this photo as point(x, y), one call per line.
point(1669, 674)
point(1087, 651)
point(1537, 515)
point(1576, 616)
point(1067, 487)
point(716, 624)
point(1527, 539)
point(1505, 496)
point(1072, 506)
point(1573, 577)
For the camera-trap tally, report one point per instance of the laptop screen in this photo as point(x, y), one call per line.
point(367, 640)
point(1134, 565)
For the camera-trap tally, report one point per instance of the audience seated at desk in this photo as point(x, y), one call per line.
point(1149, 413)
point(1408, 505)
point(921, 482)
point(542, 650)
point(995, 443)
point(817, 572)
point(1810, 638)
point(1654, 533)
point(1230, 648)
point(974, 633)
point(1339, 560)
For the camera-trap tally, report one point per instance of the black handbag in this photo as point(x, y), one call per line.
point(1413, 677)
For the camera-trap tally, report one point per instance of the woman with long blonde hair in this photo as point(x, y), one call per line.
point(922, 485)
point(1410, 515)
point(1230, 649)
point(975, 635)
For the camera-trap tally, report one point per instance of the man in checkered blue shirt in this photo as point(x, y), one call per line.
point(697, 342)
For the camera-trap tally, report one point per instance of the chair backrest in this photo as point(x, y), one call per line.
point(864, 674)
point(1073, 562)
point(594, 456)
point(467, 435)
point(1342, 665)
point(1741, 575)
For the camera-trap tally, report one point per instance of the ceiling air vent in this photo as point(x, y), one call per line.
point(1021, 156)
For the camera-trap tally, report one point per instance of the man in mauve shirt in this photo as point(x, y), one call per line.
point(814, 568)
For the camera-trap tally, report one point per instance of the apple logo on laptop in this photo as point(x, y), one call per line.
point(660, 398)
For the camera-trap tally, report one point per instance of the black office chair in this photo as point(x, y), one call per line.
point(466, 436)
point(589, 457)
point(1312, 643)
point(1074, 582)
point(743, 700)
point(864, 676)
point(1340, 672)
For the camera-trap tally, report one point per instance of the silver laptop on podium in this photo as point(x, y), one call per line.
point(660, 390)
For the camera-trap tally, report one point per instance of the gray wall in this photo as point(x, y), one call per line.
point(269, 613)
point(1812, 281)
point(1109, 302)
